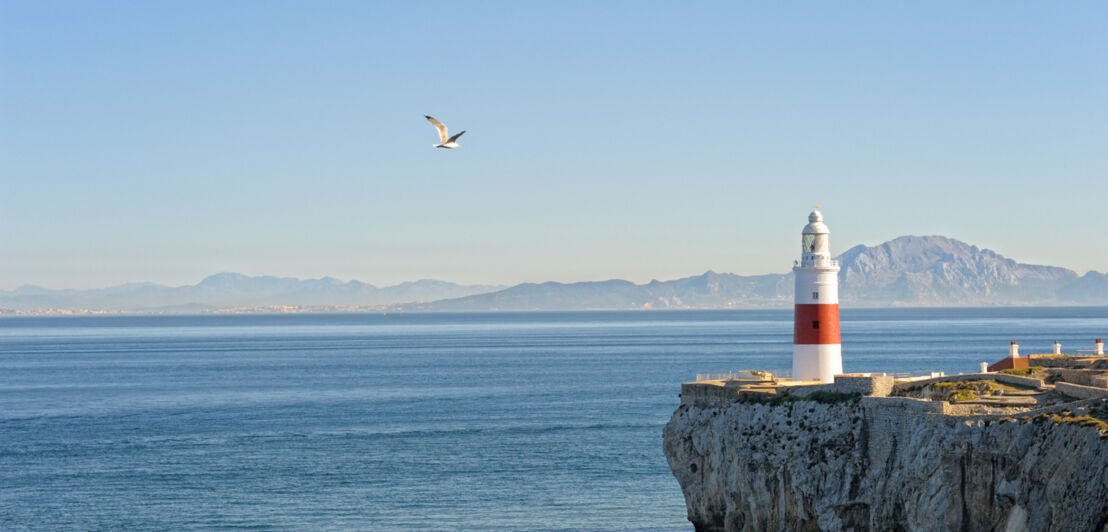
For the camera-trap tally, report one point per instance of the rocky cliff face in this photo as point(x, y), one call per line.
point(872, 464)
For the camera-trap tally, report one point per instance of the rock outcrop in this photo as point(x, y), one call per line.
point(883, 464)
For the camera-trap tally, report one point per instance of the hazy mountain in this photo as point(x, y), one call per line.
point(709, 290)
point(1089, 289)
point(907, 271)
point(935, 270)
point(230, 290)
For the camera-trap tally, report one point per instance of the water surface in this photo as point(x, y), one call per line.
point(528, 421)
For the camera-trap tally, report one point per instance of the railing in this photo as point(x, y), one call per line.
point(740, 375)
point(701, 377)
point(787, 374)
point(811, 262)
point(915, 374)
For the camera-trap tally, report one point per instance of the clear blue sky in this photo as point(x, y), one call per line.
point(159, 141)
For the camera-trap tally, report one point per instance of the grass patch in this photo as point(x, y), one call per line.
point(962, 391)
point(1021, 372)
point(962, 396)
point(828, 398)
point(1067, 417)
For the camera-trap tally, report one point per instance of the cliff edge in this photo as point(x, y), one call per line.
point(829, 460)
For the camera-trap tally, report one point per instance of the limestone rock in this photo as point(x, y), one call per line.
point(869, 464)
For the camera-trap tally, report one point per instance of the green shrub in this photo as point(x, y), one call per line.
point(818, 397)
point(962, 395)
point(960, 391)
point(1068, 417)
point(1023, 372)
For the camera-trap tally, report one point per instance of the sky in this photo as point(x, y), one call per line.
point(167, 141)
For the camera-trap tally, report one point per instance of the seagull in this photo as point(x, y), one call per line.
point(445, 140)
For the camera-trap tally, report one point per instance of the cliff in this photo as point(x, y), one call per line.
point(887, 463)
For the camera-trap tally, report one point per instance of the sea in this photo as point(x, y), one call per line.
point(488, 421)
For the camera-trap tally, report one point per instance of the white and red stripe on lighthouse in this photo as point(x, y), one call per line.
point(817, 349)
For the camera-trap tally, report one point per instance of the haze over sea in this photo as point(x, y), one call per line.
point(531, 421)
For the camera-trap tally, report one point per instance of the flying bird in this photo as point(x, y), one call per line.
point(445, 140)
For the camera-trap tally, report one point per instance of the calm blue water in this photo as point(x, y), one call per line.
point(482, 421)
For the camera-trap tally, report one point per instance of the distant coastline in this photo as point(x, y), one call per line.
point(910, 271)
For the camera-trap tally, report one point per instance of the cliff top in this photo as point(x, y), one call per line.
point(1051, 385)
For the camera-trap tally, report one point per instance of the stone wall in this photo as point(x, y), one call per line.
point(719, 394)
point(1078, 391)
point(875, 385)
point(897, 406)
point(705, 394)
point(1084, 377)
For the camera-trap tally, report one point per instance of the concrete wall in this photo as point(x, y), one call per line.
point(1078, 391)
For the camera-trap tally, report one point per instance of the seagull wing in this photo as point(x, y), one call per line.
point(455, 137)
point(439, 126)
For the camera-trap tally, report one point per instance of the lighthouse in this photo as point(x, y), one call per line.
point(817, 350)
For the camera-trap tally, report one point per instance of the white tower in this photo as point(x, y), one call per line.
point(817, 349)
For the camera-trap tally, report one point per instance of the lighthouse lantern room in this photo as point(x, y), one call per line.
point(817, 349)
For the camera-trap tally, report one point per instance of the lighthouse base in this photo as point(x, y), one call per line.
point(817, 362)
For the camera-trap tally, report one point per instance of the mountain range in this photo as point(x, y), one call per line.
point(236, 291)
point(907, 271)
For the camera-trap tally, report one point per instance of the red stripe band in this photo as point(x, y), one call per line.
point(816, 324)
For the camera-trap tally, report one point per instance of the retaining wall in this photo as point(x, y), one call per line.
point(874, 385)
point(704, 395)
point(904, 403)
point(1080, 392)
point(1084, 377)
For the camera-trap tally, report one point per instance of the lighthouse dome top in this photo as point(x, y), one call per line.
point(815, 224)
